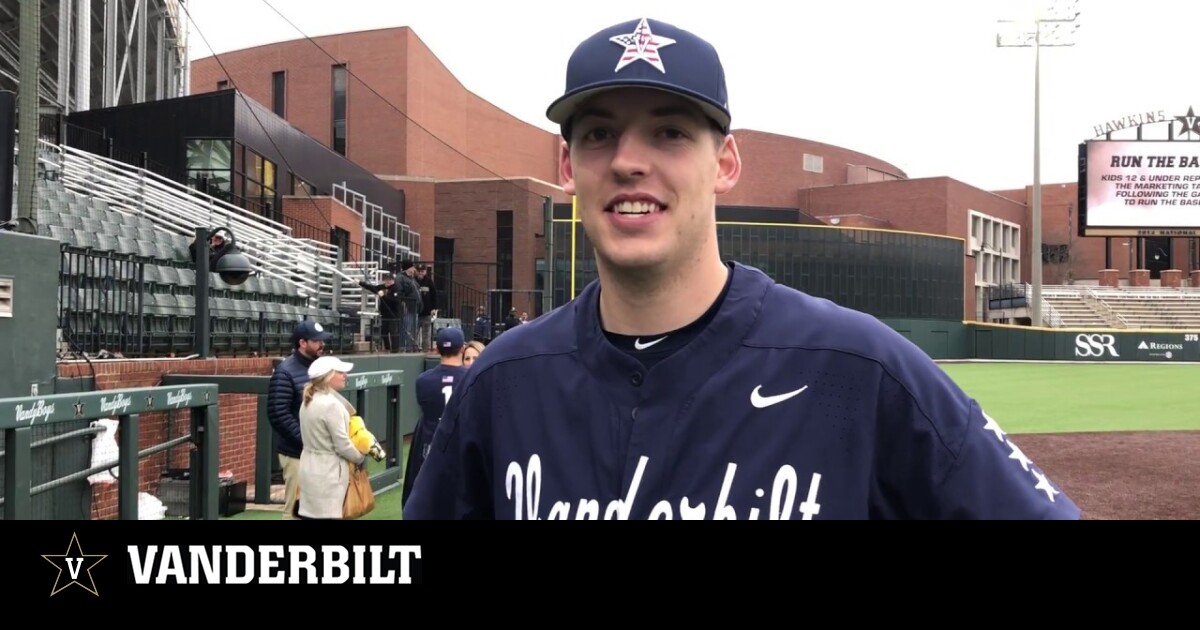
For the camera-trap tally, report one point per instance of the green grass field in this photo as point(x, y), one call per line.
point(1066, 398)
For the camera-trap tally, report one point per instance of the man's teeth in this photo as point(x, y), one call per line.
point(635, 207)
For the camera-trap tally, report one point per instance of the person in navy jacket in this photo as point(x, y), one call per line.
point(679, 386)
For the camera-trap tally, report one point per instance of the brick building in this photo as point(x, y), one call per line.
point(474, 176)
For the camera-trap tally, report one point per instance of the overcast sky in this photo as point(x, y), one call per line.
point(918, 83)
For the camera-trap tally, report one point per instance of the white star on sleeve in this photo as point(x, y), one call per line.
point(1019, 456)
point(1043, 484)
point(994, 428)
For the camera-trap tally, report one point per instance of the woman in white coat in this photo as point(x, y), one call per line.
point(324, 474)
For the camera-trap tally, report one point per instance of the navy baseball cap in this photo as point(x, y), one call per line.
point(451, 338)
point(648, 54)
point(309, 330)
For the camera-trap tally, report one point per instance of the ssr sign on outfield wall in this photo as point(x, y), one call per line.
point(1139, 188)
point(1133, 346)
point(1017, 344)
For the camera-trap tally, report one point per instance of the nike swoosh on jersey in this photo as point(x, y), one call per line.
point(762, 402)
point(637, 344)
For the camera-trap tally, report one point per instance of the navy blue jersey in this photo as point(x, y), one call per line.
point(433, 389)
point(784, 407)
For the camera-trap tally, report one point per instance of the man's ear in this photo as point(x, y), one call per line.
point(566, 172)
point(729, 166)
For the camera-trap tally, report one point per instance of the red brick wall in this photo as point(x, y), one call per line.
point(419, 210)
point(324, 212)
point(411, 117)
point(466, 212)
point(236, 425)
point(375, 133)
point(773, 169)
point(455, 134)
point(1060, 225)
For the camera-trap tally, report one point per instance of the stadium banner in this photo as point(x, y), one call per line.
point(1139, 188)
point(1030, 344)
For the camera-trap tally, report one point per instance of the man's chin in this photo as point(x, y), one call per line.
point(628, 261)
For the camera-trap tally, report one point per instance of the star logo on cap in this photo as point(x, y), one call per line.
point(641, 44)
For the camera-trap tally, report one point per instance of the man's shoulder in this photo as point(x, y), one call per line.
point(286, 367)
point(550, 334)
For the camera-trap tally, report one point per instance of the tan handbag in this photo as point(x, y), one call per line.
point(360, 498)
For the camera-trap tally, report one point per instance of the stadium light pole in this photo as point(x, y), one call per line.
point(1052, 24)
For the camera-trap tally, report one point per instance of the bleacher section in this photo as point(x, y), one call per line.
point(1123, 307)
point(1073, 311)
point(1153, 307)
point(127, 282)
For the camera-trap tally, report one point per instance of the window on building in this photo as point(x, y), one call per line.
point(279, 94)
point(504, 259)
point(210, 165)
point(258, 181)
point(341, 238)
point(996, 246)
point(301, 188)
point(222, 84)
point(814, 163)
point(339, 109)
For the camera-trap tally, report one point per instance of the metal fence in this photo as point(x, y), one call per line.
point(22, 418)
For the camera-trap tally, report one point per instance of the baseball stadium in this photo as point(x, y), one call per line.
point(138, 372)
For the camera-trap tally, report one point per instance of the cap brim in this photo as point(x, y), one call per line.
point(561, 110)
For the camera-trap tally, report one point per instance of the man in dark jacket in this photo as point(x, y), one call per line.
point(429, 307)
point(410, 300)
point(284, 395)
point(389, 310)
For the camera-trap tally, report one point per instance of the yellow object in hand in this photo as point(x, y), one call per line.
point(359, 435)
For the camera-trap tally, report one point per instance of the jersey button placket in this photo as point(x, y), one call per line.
point(636, 379)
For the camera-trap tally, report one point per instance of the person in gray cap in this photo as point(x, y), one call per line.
point(284, 394)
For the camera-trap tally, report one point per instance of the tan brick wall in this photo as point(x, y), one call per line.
point(236, 426)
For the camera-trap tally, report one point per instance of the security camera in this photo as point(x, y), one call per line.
point(233, 267)
point(228, 261)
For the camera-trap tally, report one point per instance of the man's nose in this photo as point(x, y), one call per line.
point(630, 157)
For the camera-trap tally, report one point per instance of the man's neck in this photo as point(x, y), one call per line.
point(638, 304)
point(452, 361)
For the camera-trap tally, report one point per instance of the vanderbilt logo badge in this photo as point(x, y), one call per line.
point(77, 567)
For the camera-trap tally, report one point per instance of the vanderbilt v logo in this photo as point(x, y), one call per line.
point(78, 565)
point(73, 566)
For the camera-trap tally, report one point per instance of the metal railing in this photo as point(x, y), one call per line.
point(1106, 310)
point(178, 209)
point(386, 239)
point(18, 417)
point(1049, 313)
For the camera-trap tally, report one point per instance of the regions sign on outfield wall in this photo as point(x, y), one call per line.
point(1140, 188)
